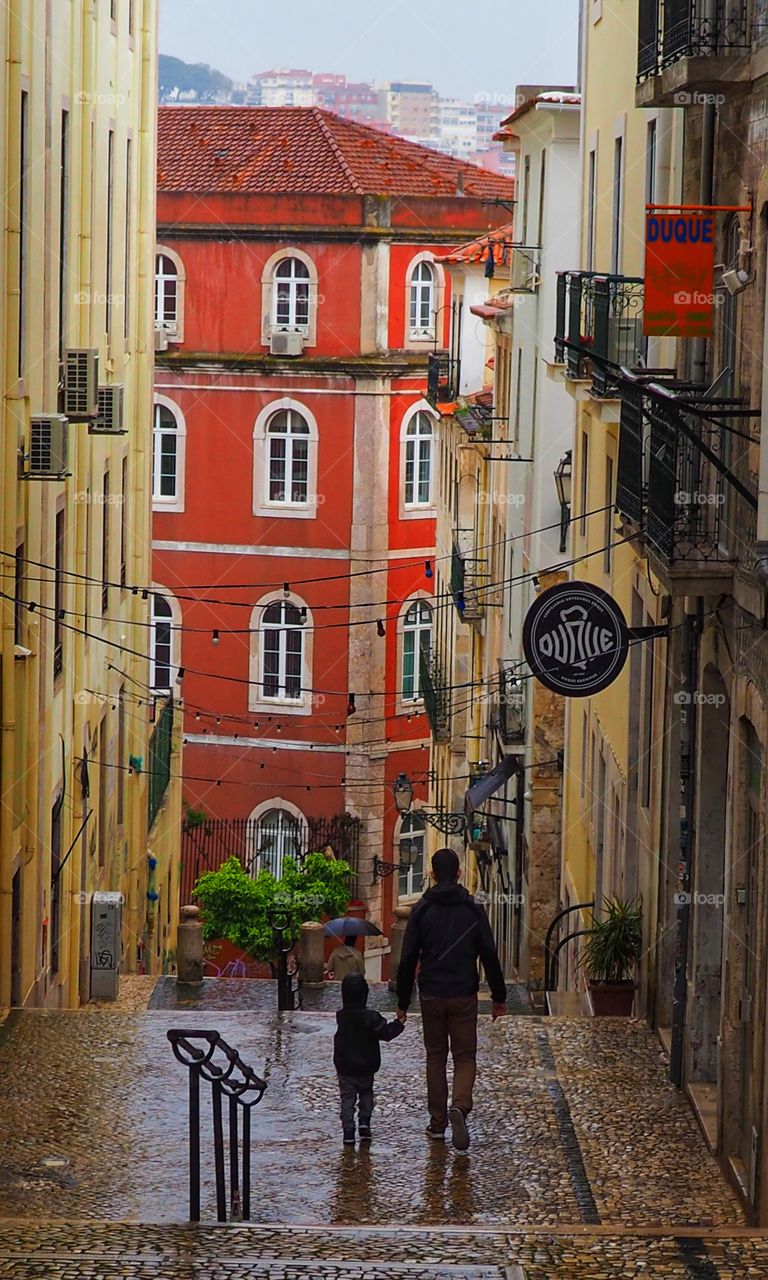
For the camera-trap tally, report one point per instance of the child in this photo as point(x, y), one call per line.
point(357, 1055)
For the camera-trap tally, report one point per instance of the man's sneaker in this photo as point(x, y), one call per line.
point(349, 1137)
point(437, 1135)
point(459, 1131)
point(365, 1132)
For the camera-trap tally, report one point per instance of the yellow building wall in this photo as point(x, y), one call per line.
point(86, 72)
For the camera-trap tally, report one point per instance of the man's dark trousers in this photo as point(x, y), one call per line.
point(449, 1021)
point(356, 1089)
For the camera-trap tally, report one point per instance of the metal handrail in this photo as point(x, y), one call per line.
point(548, 954)
point(578, 933)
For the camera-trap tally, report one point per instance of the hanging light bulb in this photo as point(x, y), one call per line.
point(303, 614)
point(351, 708)
point(381, 630)
point(179, 675)
point(428, 569)
point(286, 589)
point(214, 636)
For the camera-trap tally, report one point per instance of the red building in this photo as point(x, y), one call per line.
point(295, 455)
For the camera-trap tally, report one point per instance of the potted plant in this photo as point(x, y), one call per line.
point(609, 956)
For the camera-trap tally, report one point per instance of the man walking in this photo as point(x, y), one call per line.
point(447, 933)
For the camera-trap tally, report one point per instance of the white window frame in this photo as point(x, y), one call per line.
point(417, 510)
point(175, 328)
point(260, 813)
point(269, 296)
point(415, 699)
point(175, 502)
point(175, 638)
point(262, 505)
point(419, 336)
point(257, 699)
point(410, 884)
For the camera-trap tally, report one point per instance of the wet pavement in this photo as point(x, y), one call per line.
point(575, 1123)
point(260, 996)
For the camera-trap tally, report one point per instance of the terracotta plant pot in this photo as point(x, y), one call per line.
point(612, 999)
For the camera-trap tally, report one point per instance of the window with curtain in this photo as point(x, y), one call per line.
point(282, 652)
point(290, 295)
point(288, 441)
point(165, 455)
point(418, 461)
point(417, 639)
point(161, 645)
point(412, 843)
point(422, 300)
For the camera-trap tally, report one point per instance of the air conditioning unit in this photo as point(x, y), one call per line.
point(524, 269)
point(81, 384)
point(286, 342)
point(48, 455)
point(109, 419)
point(161, 338)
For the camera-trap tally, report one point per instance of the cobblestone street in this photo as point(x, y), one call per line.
point(585, 1162)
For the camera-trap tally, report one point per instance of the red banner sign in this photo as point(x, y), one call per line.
point(679, 274)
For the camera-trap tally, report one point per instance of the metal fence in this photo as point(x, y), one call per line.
point(207, 845)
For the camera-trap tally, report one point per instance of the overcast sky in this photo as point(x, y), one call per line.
point(464, 47)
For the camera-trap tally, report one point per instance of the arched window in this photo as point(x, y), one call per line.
point(290, 295)
point(417, 639)
point(161, 673)
point(282, 652)
point(278, 836)
point(288, 439)
point(166, 293)
point(411, 845)
point(418, 461)
point(422, 300)
point(165, 455)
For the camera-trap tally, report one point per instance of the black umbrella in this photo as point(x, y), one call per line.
point(351, 927)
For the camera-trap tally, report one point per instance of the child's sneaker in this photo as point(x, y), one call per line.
point(365, 1132)
point(349, 1137)
point(437, 1135)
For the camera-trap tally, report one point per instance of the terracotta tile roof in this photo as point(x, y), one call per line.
point(280, 150)
point(477, 250)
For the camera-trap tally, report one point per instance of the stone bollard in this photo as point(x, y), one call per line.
point(312, 954)
point(189, 947)
point(396, 935)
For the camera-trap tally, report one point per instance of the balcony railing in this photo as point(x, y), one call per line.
point(672, 29)
point(599, 326)
point(443, 372)
point(437, 703)
point(510, 709)
point(468, 578)
point(676, 478)
point(159, 754)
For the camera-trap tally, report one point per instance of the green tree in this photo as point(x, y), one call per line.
point(237, 906)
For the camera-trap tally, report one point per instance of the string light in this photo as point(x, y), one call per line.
point(215, 636)
point(380, 628)
point(351, 708)
point(428, 569)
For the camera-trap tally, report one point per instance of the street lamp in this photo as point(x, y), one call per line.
point(563, 478)
point(409, 852)
point(402, 789)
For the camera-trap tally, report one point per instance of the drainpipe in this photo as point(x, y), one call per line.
point(706, 184)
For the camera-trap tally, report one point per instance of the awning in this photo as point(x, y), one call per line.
point(484, 787)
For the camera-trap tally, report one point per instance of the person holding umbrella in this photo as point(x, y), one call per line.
point(346, 959)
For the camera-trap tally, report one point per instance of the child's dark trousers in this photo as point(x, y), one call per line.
point(356, 1089)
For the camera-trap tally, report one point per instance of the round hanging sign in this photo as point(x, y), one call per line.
point(575, 639)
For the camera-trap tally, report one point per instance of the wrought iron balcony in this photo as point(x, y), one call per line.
point(706, 33)
point(468, 578)
point(680, 479)
point(437, 702)
point(599, 326)
point(443, 372)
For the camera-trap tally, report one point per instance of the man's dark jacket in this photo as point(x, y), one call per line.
point(356, 1045)
point(446, 935)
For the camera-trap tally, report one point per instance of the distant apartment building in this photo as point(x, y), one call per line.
point(409, 108)
point(353, 101)
point(282, 88)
